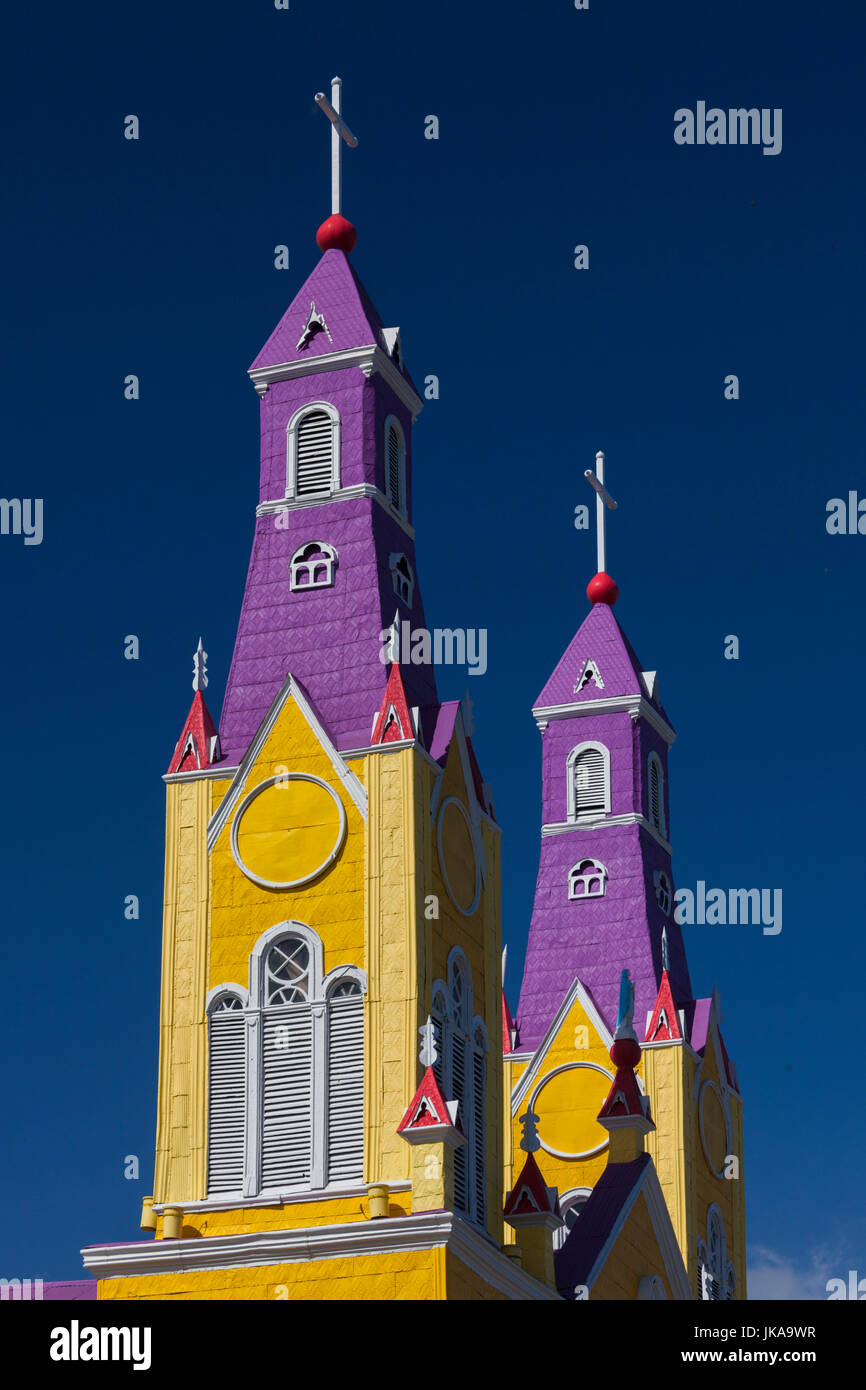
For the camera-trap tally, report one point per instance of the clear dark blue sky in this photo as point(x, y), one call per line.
point(156, 258)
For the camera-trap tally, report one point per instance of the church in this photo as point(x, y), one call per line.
point(348, 1107)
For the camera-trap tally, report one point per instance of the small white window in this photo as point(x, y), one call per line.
point(663, 891)
point(588, 879)
point(395, 464)
point(570, 1205)
point(588, 781)
point(313, 566)
point(404, 579)
point(313, 439)
point(656, 792)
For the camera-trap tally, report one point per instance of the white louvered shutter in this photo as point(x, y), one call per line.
point(655, 794)
point(346, 1089)
point(478, 1134)
point(590, 781)
point(315, 456)
point(393, 466)
point(227, 1105)
point(287, 1086)
point(458, 1093)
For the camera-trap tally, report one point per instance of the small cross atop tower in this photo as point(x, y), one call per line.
point(336, 233)
point(601, 589)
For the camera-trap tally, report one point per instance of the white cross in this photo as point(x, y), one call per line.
point(603, 499)
point(199, 667)
point(340, 130)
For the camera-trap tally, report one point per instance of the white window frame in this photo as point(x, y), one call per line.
point(572, 799)
point(566, 1202)
point(579, 871)
point(292, 449)
point(253, 1001)
point(298, 563)
point(400, 505)
point(655, 761)
point(399, 579)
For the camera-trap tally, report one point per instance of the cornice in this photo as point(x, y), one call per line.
point(425, 1231)
point(370, 358)
point(218, 770)
point(635, 705)
point(278, 1199)
point(342, 494)
point(602, 822)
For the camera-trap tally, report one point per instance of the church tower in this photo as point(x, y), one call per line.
point(330, 1097)
point(604, 902)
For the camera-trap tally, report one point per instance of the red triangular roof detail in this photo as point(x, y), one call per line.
point(427, 1107)
point(624, 1097)
point(664, 1024)
point(193, 748)
point(530, 1193)
point(507, 1025)
point(393, 722)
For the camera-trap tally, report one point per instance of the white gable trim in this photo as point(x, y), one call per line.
point(531, 1075)
point(663, 1230)
point(351, 785)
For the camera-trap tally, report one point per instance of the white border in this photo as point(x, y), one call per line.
point(548, 1076)
point(282, 779)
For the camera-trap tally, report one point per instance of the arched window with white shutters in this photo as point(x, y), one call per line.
point(588, 770)
point(345, 1129)
point(286, 1090)
point(313, 444)
point(461, 1071)
point(227, 1099)
point(656, 792)
point(395, 464)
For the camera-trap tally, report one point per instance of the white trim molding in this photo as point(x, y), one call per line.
point(369, 359)
point(602, 823)
point(284, 779)
point(341, 494)
point(635, 705)
point(304, 1245)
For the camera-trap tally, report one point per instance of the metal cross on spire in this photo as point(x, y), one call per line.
point(603, 499)
point(340, 131)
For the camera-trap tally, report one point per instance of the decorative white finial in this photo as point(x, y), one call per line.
point(530, 1142)
point(666, 955)
point(603, 499)
point(199, 667)
point(340, 131)
point(429, 1051)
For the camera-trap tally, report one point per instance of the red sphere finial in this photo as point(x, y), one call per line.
point(602, 589)
point(336, 234)
point(625, 1052)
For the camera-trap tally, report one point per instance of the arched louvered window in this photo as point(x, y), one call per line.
point(345, 1020)
point(395, 464)
point(313, 452)
point(287, 1066)
point(227, 1099)
point(656, 792)
point(716, 1278)
point(286, 1107)
point(588, 781)
point(461, 1070)
point(479, 1127)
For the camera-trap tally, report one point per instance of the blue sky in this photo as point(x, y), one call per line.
point(156, 257)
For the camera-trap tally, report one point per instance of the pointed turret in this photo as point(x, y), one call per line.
point(394, 721)
point(198, 746)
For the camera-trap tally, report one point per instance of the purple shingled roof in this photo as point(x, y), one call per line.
point(597, 1219)
point(600, 639)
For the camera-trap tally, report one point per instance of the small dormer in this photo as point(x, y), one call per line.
point(393, 345)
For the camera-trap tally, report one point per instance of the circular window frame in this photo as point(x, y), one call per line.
point(570, 1066)
point(455, 801)
point(729, 1127)
point(282, 779)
